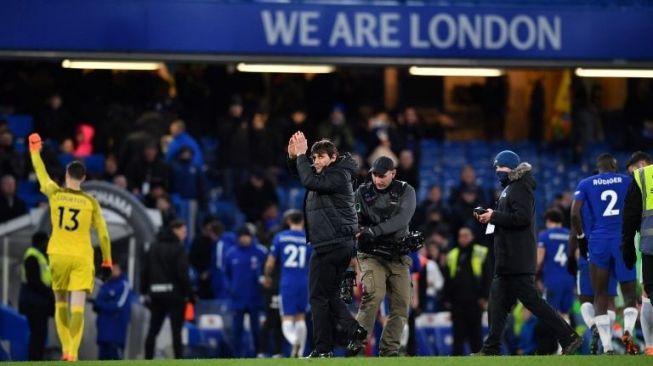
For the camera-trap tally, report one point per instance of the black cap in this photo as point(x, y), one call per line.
point(244, 230)
point(381, 165)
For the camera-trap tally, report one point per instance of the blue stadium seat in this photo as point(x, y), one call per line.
point(20, 146)
point(20, 125)
point(227, 212)
point(64, 159)
point(14, 333)
point(29, 192)
point(282, 195)
point(296, 197)
point(95, 164)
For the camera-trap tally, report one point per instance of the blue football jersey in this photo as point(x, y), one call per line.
point(554, 241)
point(289, 247)
point(604, 195)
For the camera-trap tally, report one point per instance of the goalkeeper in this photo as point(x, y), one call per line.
point(72, 214)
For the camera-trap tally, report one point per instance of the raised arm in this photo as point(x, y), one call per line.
point(48, 186)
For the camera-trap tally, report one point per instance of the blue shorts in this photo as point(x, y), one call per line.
point(560, 295)
point(584, 284)
point(294, 299)
point(606, 254)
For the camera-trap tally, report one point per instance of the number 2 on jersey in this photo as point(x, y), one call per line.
point(73, 217)
point(609, 209)
point(296, 256)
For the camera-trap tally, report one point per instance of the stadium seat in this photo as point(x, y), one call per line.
point(20, 125)
point(95, 164)
point(64, 159)
point(14, 334)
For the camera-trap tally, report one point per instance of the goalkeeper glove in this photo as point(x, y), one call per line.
point(35, 143)
point(105, 270)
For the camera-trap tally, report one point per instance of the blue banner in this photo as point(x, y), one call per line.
point(399, 31)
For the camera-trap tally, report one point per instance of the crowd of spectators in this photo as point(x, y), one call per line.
point(203, 135)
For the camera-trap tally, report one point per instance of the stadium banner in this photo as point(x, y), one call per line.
point(323, 30)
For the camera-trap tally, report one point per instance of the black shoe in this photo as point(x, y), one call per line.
point(573, 345)
point(316, 354)
point(358, 339)
point(389, 354)
point(481, 354)
point(609, 353)
point(594, 343)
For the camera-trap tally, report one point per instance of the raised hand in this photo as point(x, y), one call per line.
point(35, 143)
point(301, 146)
point(292, 147)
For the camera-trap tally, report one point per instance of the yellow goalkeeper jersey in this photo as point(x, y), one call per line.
point(72, 213)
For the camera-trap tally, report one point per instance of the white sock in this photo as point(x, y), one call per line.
point(603, 325)
point(646, 319)
point(587, 312)
point(289, 331)
point(630, 318)
point(613, 317)
point(301, 332)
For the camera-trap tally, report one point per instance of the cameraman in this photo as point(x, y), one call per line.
point(385, 207)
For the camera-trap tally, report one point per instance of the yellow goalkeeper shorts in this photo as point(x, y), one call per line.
point(71, 273)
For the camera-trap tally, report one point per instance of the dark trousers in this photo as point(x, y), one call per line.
point(160, 308)
point(504, 292)
point(37, 319)
point(467, 326)
point(271, 331)
point(239, 317)
point(647, 274)
point(110, 351)
point(329, 311)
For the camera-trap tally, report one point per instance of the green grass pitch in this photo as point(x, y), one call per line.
point(374, 361)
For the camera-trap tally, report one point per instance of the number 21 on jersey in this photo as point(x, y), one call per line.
point(296, 256)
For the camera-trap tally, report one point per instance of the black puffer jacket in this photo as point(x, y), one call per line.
point(329, 202)
point(514, 217)
point(165, 270)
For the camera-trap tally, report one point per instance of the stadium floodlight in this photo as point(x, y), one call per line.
point(111, 65)
point(614, 73)
point(454, 71)
point(291, 69)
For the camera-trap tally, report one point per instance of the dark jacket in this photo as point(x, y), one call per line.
point(386, 212)
point(165, 271)
point(514, 218)
point(464, 288)
point(10, 210)
point(34, 294)
point(329, 202)
point(140, 171)
point(632, 219)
